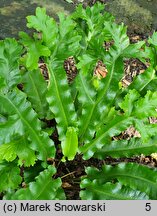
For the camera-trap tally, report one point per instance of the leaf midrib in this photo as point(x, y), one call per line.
point(110, 194)
point(84, 129)
point(59, 98)
point(26, 123)
point(128, 147)
point(36, 92)
point(136, 177)
point(89, 145)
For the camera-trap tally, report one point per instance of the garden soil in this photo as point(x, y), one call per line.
point(72, 171)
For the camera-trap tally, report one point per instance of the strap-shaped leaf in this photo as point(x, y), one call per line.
point(86, 96)
point(89, 22)
point(108, 191)
point(107, 93)
point(21, 113)
point(137, 177)
point(10, 52)
point(86, 91)
point(9, 175)
point(127, 148)
point(44, 188)
point(113, 59)
point(136, 109)
point(70, 144)
point(104, 134)
point(35, 87)
point(60, 100)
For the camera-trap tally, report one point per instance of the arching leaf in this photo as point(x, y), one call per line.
point(26, 122)
point(60, 100)
point(135, 176)
point(108, 191)
point(35, 87)
point(10, 52)
point(127, 148)
point(44, 188)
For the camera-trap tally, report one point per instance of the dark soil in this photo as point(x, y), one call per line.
point(71, 172)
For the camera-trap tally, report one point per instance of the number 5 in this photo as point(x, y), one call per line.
point(148, 207)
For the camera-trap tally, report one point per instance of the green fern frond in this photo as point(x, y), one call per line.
point(10, 52)
point(60, 100)
point(108, 191)
point(26, 122)
point(9, 175)
point(50, 190)
point(127, 148)
point(35, 87)
point(138, 177)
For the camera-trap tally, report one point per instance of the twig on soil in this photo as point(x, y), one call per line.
point(71, 173)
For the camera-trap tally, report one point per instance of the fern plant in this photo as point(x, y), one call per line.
point(88, 112)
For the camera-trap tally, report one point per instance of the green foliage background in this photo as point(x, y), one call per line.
point(88, 112)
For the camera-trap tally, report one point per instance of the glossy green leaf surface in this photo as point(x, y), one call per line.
point(9, 175)
point(35, 87)
point(25, 121)
point(136, 109)
point(109, 191)
point(45, 24)
point(49, 126)
point(9, 152)
point(50, 190)
point(35, 49)
point(104, 134)
point(97, 108)
point(127, 148)
point(70, 144)
point(133, 175)
point(10, 52)
point(60, 101)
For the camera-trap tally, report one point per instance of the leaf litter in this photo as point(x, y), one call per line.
point(72, 171)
